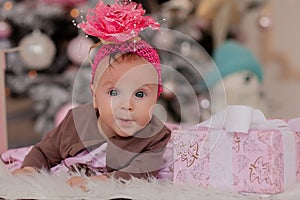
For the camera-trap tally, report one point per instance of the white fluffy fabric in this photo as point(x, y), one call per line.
point(45, 186)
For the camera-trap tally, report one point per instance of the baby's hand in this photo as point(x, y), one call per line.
point(78, 181)
point(24, 171)
point(100, 178)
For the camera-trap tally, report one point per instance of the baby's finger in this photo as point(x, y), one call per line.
point(84, 188)
point(77, 181)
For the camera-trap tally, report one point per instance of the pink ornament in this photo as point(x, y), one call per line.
point(60, 115)
point(78, 49)
point(5, 29)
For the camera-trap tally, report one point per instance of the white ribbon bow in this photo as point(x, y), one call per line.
point(241, 118)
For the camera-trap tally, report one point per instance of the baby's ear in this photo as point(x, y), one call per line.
point(94, 102)
point(94, 96)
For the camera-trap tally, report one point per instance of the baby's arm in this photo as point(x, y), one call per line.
point(54, 147)
point(38, 157)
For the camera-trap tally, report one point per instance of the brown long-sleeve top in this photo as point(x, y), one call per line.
point(139, 155)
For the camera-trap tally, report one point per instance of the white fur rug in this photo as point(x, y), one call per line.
point(44, 186)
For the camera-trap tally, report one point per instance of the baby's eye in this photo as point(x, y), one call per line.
point(113, 92)
point(140, 94)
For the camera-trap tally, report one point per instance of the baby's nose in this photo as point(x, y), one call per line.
point(127, 105)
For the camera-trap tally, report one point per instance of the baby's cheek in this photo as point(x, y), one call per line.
point(144, 119)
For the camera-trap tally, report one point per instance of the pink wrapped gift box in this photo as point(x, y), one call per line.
point(264, 160)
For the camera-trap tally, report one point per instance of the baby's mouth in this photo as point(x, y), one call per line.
point(125, 122)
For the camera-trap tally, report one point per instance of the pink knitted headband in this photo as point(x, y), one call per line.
point(117, 26)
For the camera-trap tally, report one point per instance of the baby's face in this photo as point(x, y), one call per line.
point(125, 96)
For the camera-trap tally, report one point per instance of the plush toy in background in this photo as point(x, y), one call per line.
point(242, 78)
point(220, 16)
point(220, 20)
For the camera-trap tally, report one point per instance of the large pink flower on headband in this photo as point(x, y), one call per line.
point(117, 23)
